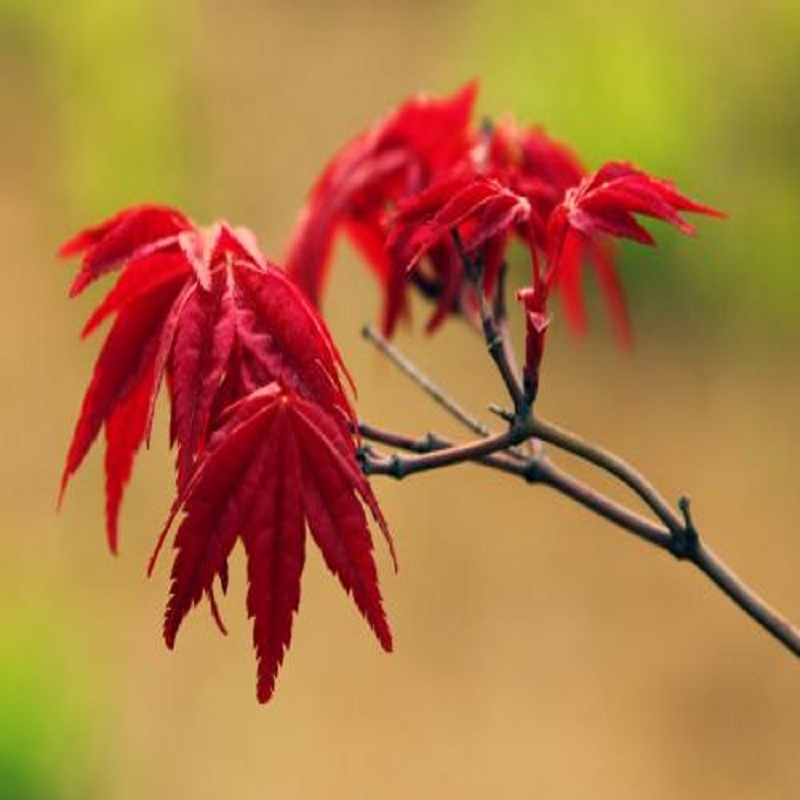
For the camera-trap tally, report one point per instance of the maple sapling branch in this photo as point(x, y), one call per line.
point(256, 385)
point(533, 470)
point(435, 391)
point(497, 343)
point(501, 320)
point(498, 346)
point(610, 463)
point(400, 467)
point(678, 537)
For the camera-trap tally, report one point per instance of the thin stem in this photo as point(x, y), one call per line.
point(401, 466)
point(500, 313)
point(751, 603)
point(568, 485)
point(532, 470)
point(497, 345)
point(430, 443)
point(432, 389)
point(681, 539)
point(570, 442)
point(426, 444)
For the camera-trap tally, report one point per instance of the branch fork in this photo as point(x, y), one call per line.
point(519, 451)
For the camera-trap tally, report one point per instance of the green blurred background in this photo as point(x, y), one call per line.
point(539, 653)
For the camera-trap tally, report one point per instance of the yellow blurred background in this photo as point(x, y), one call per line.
point(539, 652)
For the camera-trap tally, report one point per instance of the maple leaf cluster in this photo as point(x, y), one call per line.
point(264, 433)
point(424, 192)
point(259, 417)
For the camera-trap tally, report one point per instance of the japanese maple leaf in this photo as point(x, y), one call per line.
point(127, 235)
point(251, 327)
point(204, 308)
point(602, 205)
point(277, 465)
point(424, 137)
point(542, 170)
point(606, 201)
point(532, 164)
point(145, 240)
point(479, 210)
point(259, 414)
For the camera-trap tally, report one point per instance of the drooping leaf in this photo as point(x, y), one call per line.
point(398, 156)
point(277, 462)
point(275, 546)
point(200, 352)
point(125, 431)
point(126, 359)
point(260, 416)
point(606, 201)
point(141, 276)
point(120, 239)
point(479, 209)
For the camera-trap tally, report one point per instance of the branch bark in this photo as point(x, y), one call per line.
point(680, 538)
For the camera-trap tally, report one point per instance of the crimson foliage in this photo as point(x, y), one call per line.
point(488, 183)
point(261, 421)
point(260, 418)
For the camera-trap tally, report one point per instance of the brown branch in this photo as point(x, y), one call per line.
point(534, 470)
point(503, 452)
point(496, 343)
point(583, 494)
point(751, 603)
point(498, 346)
point(610, 463)
point(680, 538)
point(399, 467)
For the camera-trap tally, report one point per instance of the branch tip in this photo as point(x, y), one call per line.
point(505, 415)
point(684, 504)
point(685, 541)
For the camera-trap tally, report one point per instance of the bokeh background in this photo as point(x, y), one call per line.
point(539, 653)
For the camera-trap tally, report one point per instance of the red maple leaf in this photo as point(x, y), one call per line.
point(202, 306)
point(602, 205)
point(542, 170)
point(399, 156)
point(480, 211)
point(533, 165)
point(477, 208)
point(606, 201)
point(277, 464)
point(120, 389)
point(259, 415)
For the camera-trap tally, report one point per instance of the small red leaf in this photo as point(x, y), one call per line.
point(261, 418)
point(141, 276)
point(337, 522)
point(275, 461)
point(275, 547)
point(606, 201)
point(395, 158)
point(218, 504)
point(201, 350)
point(121, 238)
point(127, 355)
point(125, 430)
